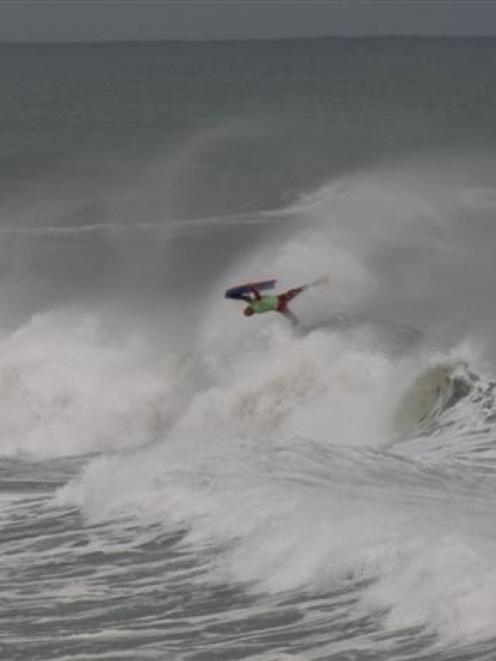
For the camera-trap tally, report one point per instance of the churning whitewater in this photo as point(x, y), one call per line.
point(180, 482)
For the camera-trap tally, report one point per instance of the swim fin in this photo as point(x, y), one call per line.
point(324, 280)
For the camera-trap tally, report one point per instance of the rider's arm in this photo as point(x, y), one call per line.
point(255, 293)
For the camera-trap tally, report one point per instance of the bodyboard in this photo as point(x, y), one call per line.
point(240, 290)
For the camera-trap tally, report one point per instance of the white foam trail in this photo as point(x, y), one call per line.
point(161, 227)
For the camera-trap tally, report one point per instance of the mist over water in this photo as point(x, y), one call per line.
point(179, 481)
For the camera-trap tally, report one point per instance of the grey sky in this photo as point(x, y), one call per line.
point(67, 20)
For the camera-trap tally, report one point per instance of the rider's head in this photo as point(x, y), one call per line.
point(248, 311)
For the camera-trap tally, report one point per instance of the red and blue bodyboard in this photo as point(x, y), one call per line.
point(242, 290)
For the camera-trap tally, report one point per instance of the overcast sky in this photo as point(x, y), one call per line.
point(68, 20)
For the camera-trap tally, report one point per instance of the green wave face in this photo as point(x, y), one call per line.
point(433, 392)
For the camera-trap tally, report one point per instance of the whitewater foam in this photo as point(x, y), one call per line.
point(67, 388)
point(275, 451)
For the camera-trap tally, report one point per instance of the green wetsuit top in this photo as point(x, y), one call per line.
point(264, 304)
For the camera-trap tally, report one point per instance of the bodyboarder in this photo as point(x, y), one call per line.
point(258, 303)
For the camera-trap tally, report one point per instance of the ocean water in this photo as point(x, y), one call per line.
point(180, 482)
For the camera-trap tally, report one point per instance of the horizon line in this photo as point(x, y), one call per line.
point(208, 40)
